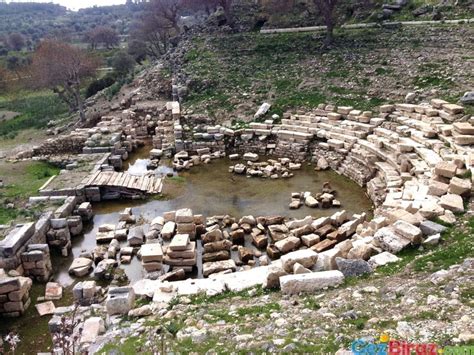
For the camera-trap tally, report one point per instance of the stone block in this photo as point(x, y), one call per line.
point(452, 202)
point(295, 284)
point(305, 257)
point(151, 252)
point(120, 300)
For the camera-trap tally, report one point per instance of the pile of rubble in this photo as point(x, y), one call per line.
point(273, 169)
point(184, 161)
point(324, 199)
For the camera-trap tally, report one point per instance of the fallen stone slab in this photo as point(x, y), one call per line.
point(305, 257)
point(295, 284)
point(242, 280)
point(45, 308)
point(288, 244)
point(120, 300)
point(274, 272)
point(168, 230)
point(80, 267)
point(459, 186)
point(409, 231)
point(382, 259)
point(218, 266)
point(179, 242)
point(250, 157)
point(210, 287)
point(430, 228)
point(54, 291)
point(16, 239)
point(184, 215)
point(446, 169)
point(452, 202)
point(93, 327)
point(353, 267)
point(391, 241)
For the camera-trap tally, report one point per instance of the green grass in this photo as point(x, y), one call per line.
point(36, 108)
point(423, 315)
point(35, 175)
point(22, 180)
point(131, 345)
point(311, 303)
point(265, 309)
point(358, 323)
point(228, 295)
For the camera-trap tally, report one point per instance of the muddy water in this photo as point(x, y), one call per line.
point(212, 190)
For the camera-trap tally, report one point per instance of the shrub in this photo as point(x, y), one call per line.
point(100, 84)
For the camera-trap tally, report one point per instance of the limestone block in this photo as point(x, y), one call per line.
point(445, 169)
point(408, 231)
point(452, 202)
point(305, 257)
point(391, 241)
point(295, 284)
point(459, 186)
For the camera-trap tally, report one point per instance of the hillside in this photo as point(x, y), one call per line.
point(231, 75)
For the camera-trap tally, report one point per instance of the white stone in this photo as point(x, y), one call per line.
point(306, 257)
point(459, 186)
point(391, 241)
point(383, 259)
point(408, 231)
point(294, 284)
point(452, 202)
point(151, 252)
point(92, 328)
point(168, 230)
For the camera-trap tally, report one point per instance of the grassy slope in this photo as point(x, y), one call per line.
point(236, 73)
point(21, 180)
point(37, 109)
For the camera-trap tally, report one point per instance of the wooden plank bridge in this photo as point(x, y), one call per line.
point(148, 184)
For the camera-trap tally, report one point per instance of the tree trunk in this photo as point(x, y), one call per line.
point(329, 35)
point(80, 103)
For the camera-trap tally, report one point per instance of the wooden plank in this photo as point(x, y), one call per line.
point(115, 180)
point(102, 178)
point(126, 180)
point(92, 178)
point(146, 181)
point(138, 183)
point(131, 183)
point(107, 176)
point(120, 181)
point(156, 187)
point(151, 183)
point(110, 176)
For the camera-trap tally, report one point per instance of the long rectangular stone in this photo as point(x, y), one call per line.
point(294, 284)
point(16, 239)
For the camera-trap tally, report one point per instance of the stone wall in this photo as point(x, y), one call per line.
point(14, 295)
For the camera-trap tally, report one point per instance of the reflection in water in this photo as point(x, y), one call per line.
point(139, 167)
point(212, 190)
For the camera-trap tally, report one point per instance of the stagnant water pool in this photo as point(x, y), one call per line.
point(211, 190)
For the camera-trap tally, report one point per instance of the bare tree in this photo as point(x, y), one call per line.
point(327, 9)
point(168, 10)
point(157, 25)
point(62, 68)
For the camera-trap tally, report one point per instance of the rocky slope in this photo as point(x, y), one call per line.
point(229, 76)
